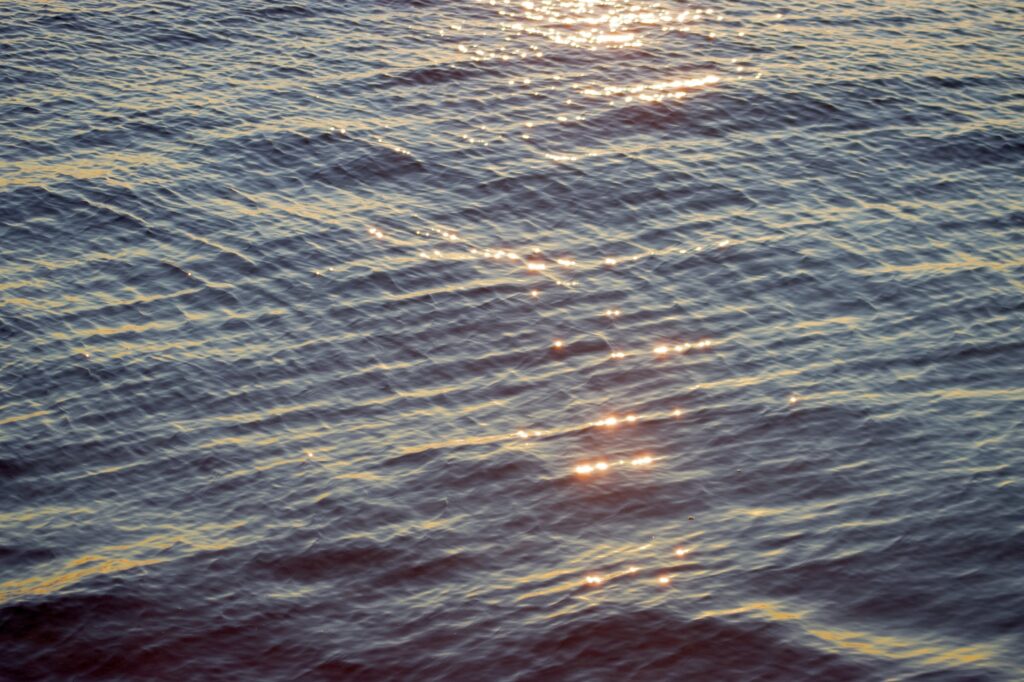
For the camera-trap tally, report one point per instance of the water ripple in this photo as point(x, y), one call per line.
point(553, 339)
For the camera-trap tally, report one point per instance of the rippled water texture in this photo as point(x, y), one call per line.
point(545, 340)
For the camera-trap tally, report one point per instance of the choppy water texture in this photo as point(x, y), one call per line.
point(544, 340)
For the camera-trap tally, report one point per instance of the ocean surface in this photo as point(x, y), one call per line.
point(540, 340)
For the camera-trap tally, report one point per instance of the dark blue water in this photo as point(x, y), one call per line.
point(580, 340)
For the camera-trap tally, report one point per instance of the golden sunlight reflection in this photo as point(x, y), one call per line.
point(610, 422)
point(603, 26)
point(656, 91)
point(108, 561)
point(601, 466)
point(698, 50)
point(647, 561)
point(705, 41)
point(897, 648)
point(535, 262)
point(594, 24)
